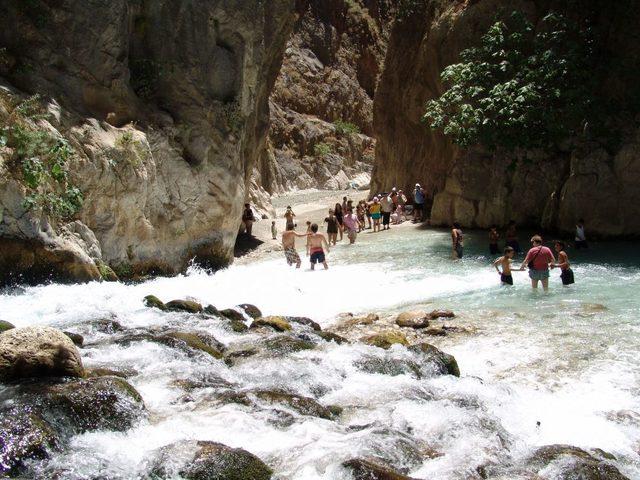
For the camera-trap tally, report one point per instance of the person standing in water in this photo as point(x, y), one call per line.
point(274, 230)
point(494, 236)
point(537, 260)
point(505, 263)
point(339, 213)
point(248, 218)
point(512, 237)
point(566, 274)
point(351, 225)
point(581, 239)
point(332, 227)
point(290, 216)
point(457, 241)
point(289, 246)
point(308, 232)
point(374, 210)
point(318, 244)
point(386, 205)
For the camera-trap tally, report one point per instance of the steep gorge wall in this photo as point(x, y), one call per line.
point(584, 178)
point(165, 107)
point(330, 70)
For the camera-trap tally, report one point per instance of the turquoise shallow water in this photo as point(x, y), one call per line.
point(561, 367)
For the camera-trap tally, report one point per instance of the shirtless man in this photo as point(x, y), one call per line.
point(505, 262)
point(289, 245)
point(317, 243)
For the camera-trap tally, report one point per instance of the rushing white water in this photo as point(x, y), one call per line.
point(561, 367)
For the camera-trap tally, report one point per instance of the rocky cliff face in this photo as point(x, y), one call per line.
point(159, 109)
point(597, 180)
point(322, 103)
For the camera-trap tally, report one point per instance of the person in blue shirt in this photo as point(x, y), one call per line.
point(418, 203)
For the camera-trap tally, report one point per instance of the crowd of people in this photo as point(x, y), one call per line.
point(385, 209)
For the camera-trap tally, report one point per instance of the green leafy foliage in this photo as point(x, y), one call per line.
point(42, 161)
point(345, 128)
point(321, 149)
point(520, 88)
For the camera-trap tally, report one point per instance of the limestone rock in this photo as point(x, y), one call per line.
point(152, 301)
point(23, 436)
point(101, 403)
point(38, 352)
point(196, 460)
point(279, 324)
point(364, 469)
point(414, 319)
point(386, 339)
point(183, 306)
point(4, 326)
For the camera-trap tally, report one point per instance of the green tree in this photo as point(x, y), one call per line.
point(521, 87)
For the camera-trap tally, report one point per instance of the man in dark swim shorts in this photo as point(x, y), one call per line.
point(317, 244)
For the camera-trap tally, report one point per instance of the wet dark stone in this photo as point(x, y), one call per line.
point(184, 306)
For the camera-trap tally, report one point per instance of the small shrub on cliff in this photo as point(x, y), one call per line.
point(41, 160)
point(321, 149)
point(133, 151)
point(521, 87)
point(345, 128)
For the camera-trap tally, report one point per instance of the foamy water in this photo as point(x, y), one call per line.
point(542, 369)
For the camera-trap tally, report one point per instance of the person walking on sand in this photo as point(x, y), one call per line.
point(248, 218)
point(289, 245)
point(512, 237)
point(504, 263)
point(351, 225)
point(581, 238)
point(339, 213)
point(318, 244)
point(537, 260)
point(494, 236)
point(457, 241)
point(374, 210)
point(290, 216)
point(418, 203)
point(566, 274)
point(332, 227)
point(274, 230)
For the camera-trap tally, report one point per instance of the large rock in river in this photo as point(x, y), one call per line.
point(38, 352)
point(195, 460)
point(364, 469)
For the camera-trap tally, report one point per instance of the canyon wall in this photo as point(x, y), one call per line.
point(322, 103)
point(159, 109)
point(596, 179)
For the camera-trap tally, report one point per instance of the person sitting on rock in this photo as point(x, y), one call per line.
point(289, 245)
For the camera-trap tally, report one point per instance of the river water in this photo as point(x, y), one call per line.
point(540, 369)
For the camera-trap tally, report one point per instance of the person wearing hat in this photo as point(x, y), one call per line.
point(375, 209)
point(418, 203)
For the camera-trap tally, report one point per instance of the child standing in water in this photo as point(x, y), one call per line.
point(505, 263)
point(566, 274)
point(317, 244)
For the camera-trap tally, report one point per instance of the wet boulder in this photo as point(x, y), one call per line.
point(152, 301)
point(38, 352)
point(274, 346)
point(389, 366)
point(101, 403)
point(304, 321)
point(4, 326)
point(413, 319)
point(108, 372)
point(200, 341)
point(76, 338)
point(251, 310)
point(211, 310)
point(108, 326)
point(279, 324)
point(232, 314)
point(573, 463)
point(24, 435)
point(188, 306)
point(443, 363)
point(435, 314)
point(285, 344)
point(196, 460)
point(332, 337)
point(298, 403)
point(365, 469)
point(386, 339)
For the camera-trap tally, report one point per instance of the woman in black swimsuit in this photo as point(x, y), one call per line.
point(332, 227)
point(339, 217)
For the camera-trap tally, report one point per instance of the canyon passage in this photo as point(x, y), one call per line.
point(148, 330)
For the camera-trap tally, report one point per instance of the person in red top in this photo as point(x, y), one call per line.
point(538, 259)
